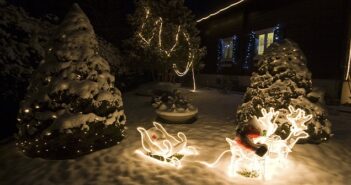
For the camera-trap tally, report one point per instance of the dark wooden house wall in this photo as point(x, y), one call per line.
point(318, 26)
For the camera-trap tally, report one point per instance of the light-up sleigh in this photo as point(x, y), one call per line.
point(159, 146)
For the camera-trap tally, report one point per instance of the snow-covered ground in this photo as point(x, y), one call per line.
point(328, 163)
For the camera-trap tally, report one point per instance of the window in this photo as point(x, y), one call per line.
point(227, 51)
point(264, 39)
point(259, 41)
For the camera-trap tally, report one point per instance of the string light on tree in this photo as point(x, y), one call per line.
point(158, 29)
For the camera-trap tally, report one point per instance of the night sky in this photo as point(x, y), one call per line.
point(202, 8)
point(109, 16)
point(37, 7)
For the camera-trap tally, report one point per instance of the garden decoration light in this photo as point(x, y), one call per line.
point(158, 29)
point(348, 66)
point(346, 87)
point(159, 146)
point(245, 162)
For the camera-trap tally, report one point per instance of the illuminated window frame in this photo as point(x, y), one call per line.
point(264, 38)
point(227, 51)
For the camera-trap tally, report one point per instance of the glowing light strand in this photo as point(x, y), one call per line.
point(158, 142)
point(159, 25)
point(194, 82)
point(347, 75)
point(221, 10)
point(190, 59)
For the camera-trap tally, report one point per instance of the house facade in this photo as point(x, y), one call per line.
point(235, 37)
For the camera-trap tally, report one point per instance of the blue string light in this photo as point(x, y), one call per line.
point(235, 49)
point(250, 51)
point(219, 54)
point(277, 33)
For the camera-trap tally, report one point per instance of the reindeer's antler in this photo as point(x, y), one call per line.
point(267, 121)
point(298, 118)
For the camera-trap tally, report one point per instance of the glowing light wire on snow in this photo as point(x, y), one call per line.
point(158, 28)
point(158, 143)
point(245, 162)
point(221, 10)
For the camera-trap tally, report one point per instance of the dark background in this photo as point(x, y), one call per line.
point(318, 26)
point(109, 17)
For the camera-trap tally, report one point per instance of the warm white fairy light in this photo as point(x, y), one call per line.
point(194, 82)
point(243, 160)
point(347, 76)
point(158, 28)
point(164, 145)
point(221, 10)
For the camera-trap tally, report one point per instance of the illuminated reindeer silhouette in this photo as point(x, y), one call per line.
point(246, 162)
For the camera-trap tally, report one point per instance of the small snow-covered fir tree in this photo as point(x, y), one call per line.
point(283, 79)
point(72, 107)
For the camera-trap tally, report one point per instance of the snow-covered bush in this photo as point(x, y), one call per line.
point(72, 107)
point(113, 55)
point(171, 101)
point(21, 40)
point(21, 49)
point(283, 79)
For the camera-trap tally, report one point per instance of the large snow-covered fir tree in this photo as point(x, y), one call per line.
point(283, 79)
point(72, 107)
point(165, 33)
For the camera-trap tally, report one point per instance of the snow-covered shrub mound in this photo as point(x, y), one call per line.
point(283, 79)
point(21, 40)
point(72, 107)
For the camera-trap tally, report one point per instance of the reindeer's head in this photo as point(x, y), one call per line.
point(298, 118)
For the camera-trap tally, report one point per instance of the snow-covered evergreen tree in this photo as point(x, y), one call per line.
point(72, 107)
point(21, 49)
point(283, 79)
point(113, 55)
